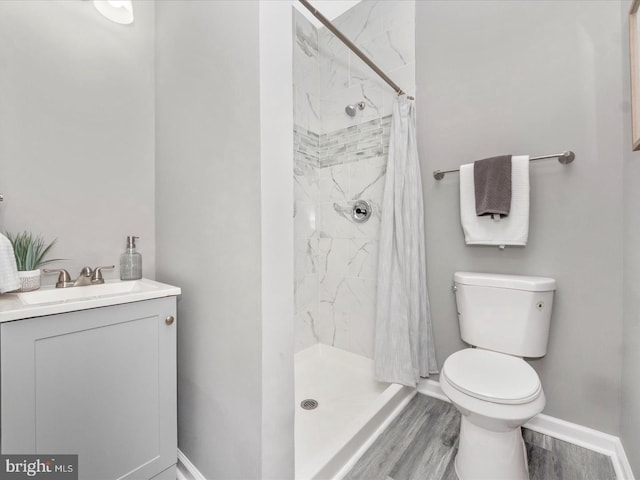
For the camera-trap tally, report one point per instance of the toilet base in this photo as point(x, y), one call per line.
point(485, 454)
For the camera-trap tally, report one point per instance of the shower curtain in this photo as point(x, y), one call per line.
point(404, 349)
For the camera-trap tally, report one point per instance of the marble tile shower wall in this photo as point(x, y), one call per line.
point(336, 258)
point(328, 76)
point(385, 31)
point(306, 114)
point(340, 159)
point(306, 74)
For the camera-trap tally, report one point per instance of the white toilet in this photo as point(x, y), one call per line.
point(506, 317)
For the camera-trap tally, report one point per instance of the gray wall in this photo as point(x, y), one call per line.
point(532, 78)
point(208, 225)
point(630, 419)
point(76, 130)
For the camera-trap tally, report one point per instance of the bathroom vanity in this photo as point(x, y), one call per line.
point(93, 376)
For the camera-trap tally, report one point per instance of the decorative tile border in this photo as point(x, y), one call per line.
point(357, 142)
point(306, 146)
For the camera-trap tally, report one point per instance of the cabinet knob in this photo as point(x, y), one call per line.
point(169, 320)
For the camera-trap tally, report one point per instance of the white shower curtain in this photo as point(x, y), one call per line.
point(404, 349)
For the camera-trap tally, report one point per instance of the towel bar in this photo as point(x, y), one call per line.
point(564, 158)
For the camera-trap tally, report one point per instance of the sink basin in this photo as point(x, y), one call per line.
point(48, 295)
point(51, 300)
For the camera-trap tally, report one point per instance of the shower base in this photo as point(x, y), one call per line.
point(352, 409)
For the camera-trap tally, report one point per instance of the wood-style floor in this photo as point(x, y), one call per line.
point(421, 444)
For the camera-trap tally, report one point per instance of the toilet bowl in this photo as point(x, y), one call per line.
point(496, 394)
point(506, 318)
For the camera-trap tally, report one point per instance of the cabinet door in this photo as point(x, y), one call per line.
point(99, 383)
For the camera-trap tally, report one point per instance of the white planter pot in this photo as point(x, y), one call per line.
point(29, 280)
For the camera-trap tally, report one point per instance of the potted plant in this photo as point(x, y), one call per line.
point(30, 251)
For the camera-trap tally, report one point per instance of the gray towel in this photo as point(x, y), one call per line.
point(492, 181)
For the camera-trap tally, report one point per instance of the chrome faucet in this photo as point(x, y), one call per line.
point(87, 277)
point(96, 276)
point(84, 278)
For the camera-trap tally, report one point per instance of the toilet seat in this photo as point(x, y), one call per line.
point(492, 376)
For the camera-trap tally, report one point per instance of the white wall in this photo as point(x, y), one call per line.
point(276, 162)
point(629, 416)
point(533, 78)
point(220, 213)
point(76, 130)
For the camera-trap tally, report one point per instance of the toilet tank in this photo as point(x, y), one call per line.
point(505, 313)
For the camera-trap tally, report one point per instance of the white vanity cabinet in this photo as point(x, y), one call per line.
point(100, 383)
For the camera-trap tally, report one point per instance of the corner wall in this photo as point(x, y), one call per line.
point(208, 231)
point(629, 415)
point(276, 151)
point(535, 78)
point(224, 229)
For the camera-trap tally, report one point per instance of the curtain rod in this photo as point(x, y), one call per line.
point(564, 158)
point(327, 23)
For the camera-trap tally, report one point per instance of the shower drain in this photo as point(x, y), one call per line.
point(309, 404)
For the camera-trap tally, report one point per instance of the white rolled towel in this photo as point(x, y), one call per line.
point(510, 230)
point(9, 279)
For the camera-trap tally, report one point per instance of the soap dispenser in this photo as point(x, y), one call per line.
point(131, 261)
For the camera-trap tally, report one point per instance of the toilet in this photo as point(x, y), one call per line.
point(503, 318)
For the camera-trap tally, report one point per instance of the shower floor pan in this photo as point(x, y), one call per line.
point(352, 409)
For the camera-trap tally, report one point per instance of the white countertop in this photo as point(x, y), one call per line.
point(50, 300)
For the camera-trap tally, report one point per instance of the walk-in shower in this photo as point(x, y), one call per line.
point(339, 171)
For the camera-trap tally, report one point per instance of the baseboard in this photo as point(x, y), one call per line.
point(595, 440)
point(625, 467)
point(432, 388)
point(589, 438)
point(186, 469)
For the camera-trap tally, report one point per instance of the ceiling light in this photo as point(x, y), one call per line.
point(119, 11)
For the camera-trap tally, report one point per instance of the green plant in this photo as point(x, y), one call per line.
point(30, 250)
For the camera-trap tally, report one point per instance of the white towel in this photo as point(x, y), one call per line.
point(510, 230)
point(9, 279)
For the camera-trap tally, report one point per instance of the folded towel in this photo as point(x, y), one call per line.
point(9, 279)
point(511, 230)
point(492, 183)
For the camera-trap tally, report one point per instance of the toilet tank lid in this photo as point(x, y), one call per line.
point(515, 282)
